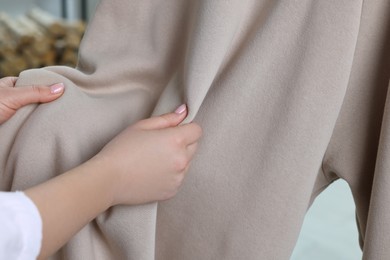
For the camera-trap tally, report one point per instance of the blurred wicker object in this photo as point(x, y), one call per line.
point(36, 40)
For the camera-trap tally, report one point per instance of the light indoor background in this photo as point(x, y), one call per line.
point(18, 7)
point(329, 230)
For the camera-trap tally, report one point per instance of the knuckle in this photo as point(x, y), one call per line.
point(194, 146)
point(178, 140)
point(180, 163)
point(164, 121)
point(8, 81)
point(37, 90)
point(198, 129)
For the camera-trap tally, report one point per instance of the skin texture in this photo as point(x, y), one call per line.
point(146, 162)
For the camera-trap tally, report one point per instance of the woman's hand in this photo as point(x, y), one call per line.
point(146, 162)
point(149, 159)
point(11, 99)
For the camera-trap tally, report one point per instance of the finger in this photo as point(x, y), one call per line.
point(12, 80)
point(8, 81)
point(36, 94)
point(190, 132)
point(164, 121)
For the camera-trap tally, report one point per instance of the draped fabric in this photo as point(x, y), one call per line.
point(291, 95)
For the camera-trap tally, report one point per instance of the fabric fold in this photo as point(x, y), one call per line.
point(280, 88)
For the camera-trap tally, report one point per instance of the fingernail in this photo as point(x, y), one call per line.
point(57, 88)
point(181, 109)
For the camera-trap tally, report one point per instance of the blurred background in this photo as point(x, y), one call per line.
point(70, 9)
point(37, 33)
point(329, 231)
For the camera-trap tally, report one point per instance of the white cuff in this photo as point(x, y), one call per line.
point(22, 225)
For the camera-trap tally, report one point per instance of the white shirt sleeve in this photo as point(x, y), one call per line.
point(20, 227)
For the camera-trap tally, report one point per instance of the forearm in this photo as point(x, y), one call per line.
point(146, 162)
point(69, 201)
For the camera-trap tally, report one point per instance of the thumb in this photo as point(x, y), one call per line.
point(36, 94)
point(164, 121)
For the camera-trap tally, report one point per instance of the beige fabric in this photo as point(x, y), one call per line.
point(290, 94)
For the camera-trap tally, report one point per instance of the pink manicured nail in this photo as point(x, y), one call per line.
point(57, 88)
point(181, 109)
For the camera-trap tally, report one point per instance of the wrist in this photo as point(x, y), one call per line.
point(103, 177)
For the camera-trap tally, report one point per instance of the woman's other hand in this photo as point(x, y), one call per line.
point(144, 163)
point(11, 98)
point(149, 159)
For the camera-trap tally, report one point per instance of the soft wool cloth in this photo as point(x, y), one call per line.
point(291, 95)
